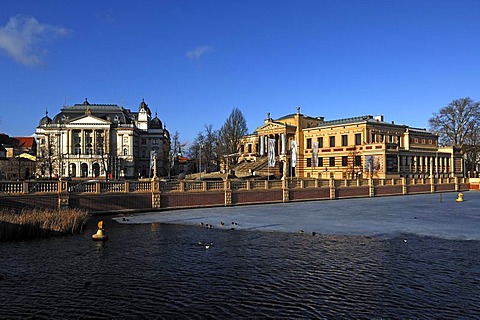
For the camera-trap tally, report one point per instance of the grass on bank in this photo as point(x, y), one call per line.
point(40, 223)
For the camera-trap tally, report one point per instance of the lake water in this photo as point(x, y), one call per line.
point(183, 270)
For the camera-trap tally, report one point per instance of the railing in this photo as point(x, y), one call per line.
point(140, 186)
point(238, 185)
point(11, 187)
point(43, 186)
point(37, 186)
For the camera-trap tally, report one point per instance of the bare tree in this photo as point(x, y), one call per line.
point(174, 153)
point(456, 122)
point(231, 133)
point(47, 157)
point(210, 149)
point(177, 145)
point(195, 151)
point(457, 125)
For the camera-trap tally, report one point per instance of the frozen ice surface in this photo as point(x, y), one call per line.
point(436, 215)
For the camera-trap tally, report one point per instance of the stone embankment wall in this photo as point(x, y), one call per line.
point(125, 196)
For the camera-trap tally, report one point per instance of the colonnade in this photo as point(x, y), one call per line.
point(428, 164)
point(280, 144)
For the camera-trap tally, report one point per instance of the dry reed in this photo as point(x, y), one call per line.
point(38, 223)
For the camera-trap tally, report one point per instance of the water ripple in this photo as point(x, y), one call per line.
point(166, 271)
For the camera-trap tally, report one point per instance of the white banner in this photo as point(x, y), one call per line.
point(294, 153)
point(315, 154)
point(271, 152)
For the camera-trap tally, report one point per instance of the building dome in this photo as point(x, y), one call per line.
point(156, 123)
point(45, 120)
point(144, 106)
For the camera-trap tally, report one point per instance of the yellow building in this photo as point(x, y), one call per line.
point(349, 148)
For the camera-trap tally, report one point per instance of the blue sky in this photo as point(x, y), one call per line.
point(194, 61)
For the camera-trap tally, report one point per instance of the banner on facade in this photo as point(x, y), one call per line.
point(315, 154)
point(271, 152)
point(294, 153)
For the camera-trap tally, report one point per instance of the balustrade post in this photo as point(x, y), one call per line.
point(285, 191)
point(457, 184)
point(127, 186)
point(332, 189)
point(156, 193)
point(228, 192)
point(204, 185)
point(97, 187)
point(249, 184)
point(404, 186)
point(371, 188)
point(63, 195)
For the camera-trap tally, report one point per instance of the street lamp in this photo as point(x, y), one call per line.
point(201, 147)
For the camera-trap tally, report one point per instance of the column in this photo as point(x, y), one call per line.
point(262, 146)
point(82, 141)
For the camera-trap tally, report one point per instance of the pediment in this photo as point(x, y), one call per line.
point(274, 126)
point(89, 120)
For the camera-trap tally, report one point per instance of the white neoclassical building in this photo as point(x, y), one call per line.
point(98, 140)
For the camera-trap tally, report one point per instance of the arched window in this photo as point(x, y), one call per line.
point(96, 169)
point(73, 170)
point(125, 151)
point(84, 170)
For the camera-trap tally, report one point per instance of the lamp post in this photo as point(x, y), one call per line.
point(201, 147)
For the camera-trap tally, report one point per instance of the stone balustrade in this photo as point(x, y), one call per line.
point(193, 193)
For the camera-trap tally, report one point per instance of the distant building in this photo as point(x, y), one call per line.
point(349, 148)
point(102, 140)
point(17, 157)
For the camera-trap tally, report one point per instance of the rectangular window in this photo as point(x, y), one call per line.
point(309, 162)
point(344, 140)
point(332, 141)
point(320, 161)
point(332, 161)
point(358, 139)
point(309, 143)
point(358, 161)
point(373, 138)
point(320, 142)
point(344, 161)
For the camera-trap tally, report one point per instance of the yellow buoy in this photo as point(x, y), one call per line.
point(460, 197)
point(99, 236)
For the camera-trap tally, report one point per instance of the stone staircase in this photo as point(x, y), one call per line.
point(260, 167)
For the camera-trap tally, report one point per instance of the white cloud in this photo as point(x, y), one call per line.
point(23, 36)
point(199, 51)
